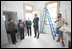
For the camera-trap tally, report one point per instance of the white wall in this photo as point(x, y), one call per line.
point(40, 6)
point(66, 5)
point(3, 31)
point(15, 6)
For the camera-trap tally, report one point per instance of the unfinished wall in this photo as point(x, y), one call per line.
point(3, 31)
point(15, 6)
point(66, 5)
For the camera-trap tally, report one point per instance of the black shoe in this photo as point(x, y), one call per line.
point(14, 43)
point(37, 37)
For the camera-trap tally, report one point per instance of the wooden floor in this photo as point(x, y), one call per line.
point(45, 41)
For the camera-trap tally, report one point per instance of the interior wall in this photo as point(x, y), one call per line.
point(14, 6)
point(66, 5)
point(40, 6)
point(3, 31)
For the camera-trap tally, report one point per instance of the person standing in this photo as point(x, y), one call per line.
point(36, 27)
point(21, 29)
point(59, 23)
point(28, 23)
point(12, 30)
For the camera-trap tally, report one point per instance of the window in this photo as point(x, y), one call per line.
point(53, 8)
point(28, 9)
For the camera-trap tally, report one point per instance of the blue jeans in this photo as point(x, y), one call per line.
point(59, 32)
point(21, 33)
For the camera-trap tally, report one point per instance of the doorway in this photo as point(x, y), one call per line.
point(6, 16)
point(53, 8)
point(31, 17)
point(29, 13)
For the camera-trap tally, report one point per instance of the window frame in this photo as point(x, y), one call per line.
point(58, 8)
point(58, 5)
point(27, 11)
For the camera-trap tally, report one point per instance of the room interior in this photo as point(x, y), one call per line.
point(26, 9)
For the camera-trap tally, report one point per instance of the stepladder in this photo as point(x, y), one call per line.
point(47, 14)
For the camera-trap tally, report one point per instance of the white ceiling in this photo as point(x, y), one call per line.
point(34, 2)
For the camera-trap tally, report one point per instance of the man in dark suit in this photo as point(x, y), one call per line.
point(36, 27)
point(28, 25)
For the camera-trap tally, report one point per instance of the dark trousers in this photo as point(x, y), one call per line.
point(13, 37)
point(36, 30)
point(21, 33)
point(29, 31)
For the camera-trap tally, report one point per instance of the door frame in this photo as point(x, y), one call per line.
point(58, 5)
point(5, 24)
point(27, 11)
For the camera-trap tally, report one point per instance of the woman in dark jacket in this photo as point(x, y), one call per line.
point(21, 29)
point(12, 30)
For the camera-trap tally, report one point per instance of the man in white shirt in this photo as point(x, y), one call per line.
point(59, 23)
